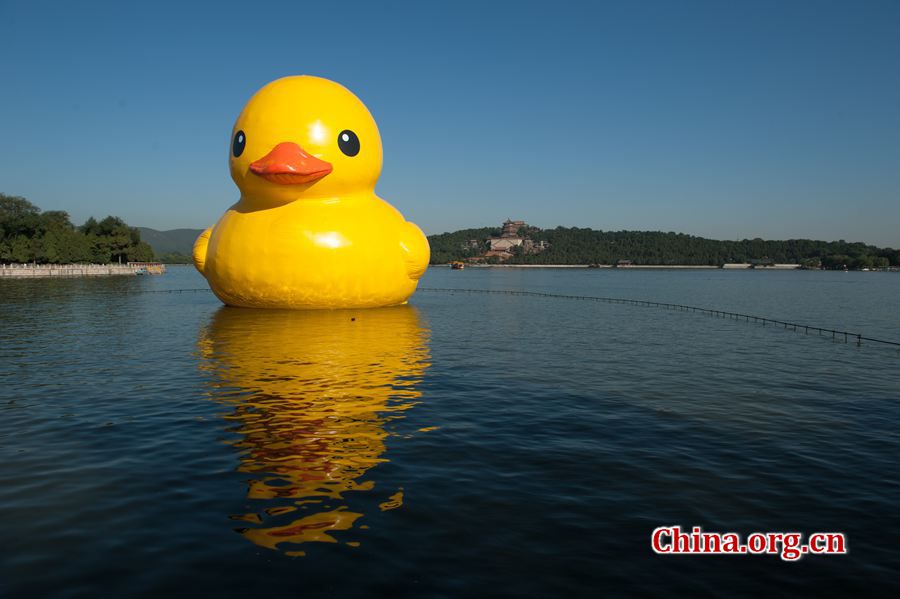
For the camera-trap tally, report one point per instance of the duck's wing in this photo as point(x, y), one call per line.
point(200, 249)
point(415, 248)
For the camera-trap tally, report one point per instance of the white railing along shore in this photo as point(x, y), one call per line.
point(21, 271)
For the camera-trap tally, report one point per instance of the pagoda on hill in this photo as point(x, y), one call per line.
point(511, 228)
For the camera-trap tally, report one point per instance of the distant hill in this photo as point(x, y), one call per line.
point(587, 246)
point(174, 241)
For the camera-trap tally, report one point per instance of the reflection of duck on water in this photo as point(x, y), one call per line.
point(317, 388)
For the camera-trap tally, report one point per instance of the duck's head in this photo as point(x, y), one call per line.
point(303, 138)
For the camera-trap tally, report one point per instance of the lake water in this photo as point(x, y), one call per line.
point(466, 445)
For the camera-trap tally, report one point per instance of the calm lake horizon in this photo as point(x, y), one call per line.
point(156, 442)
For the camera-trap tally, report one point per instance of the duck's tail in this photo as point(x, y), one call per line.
point(416, 251)
point(200, 250)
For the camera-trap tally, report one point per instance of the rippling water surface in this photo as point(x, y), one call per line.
point(466, 444)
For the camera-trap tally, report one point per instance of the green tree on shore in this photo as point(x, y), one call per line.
point(29, 235)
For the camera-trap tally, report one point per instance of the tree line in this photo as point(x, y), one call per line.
point(29, 235)
point(588, 246)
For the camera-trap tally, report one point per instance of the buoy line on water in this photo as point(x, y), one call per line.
point(836, 335)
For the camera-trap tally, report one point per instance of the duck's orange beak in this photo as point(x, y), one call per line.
point(289, 164)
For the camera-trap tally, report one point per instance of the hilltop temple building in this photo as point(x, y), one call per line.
point(502, 247)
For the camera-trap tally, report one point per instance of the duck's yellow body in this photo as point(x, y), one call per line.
point(309, 231)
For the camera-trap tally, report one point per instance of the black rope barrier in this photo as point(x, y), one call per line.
point(858, 338)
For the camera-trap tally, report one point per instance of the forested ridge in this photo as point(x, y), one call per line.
point(29, 235)
point(575, 245)
point(174, 246)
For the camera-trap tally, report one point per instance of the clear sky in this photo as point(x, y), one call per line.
point(722, 119)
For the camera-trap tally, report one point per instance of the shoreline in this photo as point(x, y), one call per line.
point(639, 266)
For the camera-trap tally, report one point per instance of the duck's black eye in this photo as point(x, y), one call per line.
point(237, 147)
point(348, 142)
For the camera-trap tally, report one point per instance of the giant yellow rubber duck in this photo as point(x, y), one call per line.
point(308, 230)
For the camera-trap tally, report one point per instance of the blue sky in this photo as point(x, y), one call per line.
point(722, 119)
